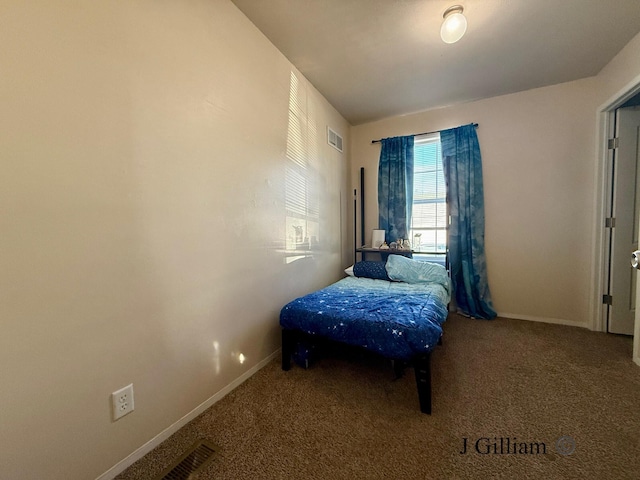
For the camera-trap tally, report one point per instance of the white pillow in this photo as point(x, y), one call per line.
point(349, 271)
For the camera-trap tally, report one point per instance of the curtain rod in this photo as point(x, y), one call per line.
point(417, 134)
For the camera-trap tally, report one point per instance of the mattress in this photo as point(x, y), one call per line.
point(395, 319)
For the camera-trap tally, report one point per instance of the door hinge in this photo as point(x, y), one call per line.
point(613, 143)
point(610, 222)
point(607, 299)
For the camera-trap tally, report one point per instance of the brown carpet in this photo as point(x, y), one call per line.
point(347, 418)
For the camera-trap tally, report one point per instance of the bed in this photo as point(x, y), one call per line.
point(395, 309)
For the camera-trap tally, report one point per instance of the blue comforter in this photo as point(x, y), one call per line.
point(396, 319)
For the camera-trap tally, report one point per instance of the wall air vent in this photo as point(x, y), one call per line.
point(334, 139)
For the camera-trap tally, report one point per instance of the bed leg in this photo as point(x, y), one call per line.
point(288, 342)
point(398, 368)
point(422, 368)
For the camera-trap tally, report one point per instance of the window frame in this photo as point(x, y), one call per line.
point(436, 255)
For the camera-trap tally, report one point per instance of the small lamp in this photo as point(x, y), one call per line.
point(454, 25)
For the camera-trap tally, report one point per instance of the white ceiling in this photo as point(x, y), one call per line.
point(377, 58)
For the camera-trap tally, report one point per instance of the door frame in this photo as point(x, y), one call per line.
point(605, 123)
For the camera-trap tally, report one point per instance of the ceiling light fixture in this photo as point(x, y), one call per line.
point(454, 25)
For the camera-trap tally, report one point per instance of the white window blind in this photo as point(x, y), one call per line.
point(429, 212)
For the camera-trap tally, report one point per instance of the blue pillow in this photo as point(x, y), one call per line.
point(370, 269)
point(403, 269)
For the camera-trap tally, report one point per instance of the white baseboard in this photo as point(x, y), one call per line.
point(167, 432)
point(637, 360)
point(557, 321)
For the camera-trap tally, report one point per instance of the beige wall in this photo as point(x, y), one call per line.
point(537, 148)
point(622, 72)
point(147, 163)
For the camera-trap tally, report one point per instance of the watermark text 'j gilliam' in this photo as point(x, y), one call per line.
point(502, 446)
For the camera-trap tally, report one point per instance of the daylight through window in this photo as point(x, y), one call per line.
point(429, 213)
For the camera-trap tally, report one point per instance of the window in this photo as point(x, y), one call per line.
point(429, 212)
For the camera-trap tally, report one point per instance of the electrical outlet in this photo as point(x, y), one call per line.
point(122, 402)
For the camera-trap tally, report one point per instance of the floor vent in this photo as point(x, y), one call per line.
point(199, 455)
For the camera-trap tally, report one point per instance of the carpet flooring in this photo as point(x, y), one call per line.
point(523, 395)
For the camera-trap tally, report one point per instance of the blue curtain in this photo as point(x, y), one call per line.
point(395, 187)
point(463, 176)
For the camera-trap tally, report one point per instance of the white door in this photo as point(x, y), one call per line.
point(636, 263)
point(636, 336)
point(626, 211)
